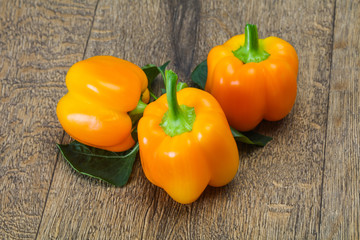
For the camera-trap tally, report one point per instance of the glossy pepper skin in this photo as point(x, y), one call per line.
point(101, 92)
point(253, 79)
point(184, 163)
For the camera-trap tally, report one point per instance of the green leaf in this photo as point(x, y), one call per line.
point(152, 71)
point(112, 167)
point(199, 75)
point(162, 69)
point(250, 137)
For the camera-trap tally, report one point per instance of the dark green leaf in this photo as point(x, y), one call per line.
point(199, 75)
point(112, 167)
point(250, 137)
point(162, 69)
point(152, 71)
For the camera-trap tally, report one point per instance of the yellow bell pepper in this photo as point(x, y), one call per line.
point(101, 92)
point(253, 79)
point(185, 142)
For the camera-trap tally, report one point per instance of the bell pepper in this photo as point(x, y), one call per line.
point(185, 142)
point(253, 79)
point(101, 92)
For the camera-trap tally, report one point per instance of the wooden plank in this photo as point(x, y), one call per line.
point(277, 191)
point(38, 43)
point(340, 211)
point(82, 208)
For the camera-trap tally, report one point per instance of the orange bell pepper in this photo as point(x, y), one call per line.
point(185, 142)
point(101, 92)
point(253, 79)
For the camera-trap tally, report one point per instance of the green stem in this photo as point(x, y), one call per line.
point(174, 108)
point(153, 95)
point(251, 51)
point(179, 118)
point(137, 113)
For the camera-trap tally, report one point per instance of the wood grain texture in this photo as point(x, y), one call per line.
point(38, 43)
point(277, 192)
point(340, 212)
point(82, 208)
point(304, 185)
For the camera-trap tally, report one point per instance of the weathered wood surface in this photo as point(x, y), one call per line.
point(304, 185)
point(38, 43)
point(340, 211)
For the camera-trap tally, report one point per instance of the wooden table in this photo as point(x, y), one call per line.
point(303, 185)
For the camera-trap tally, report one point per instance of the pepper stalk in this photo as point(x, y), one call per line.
point(251, 51)
point(179, 118)
point(137, 113)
